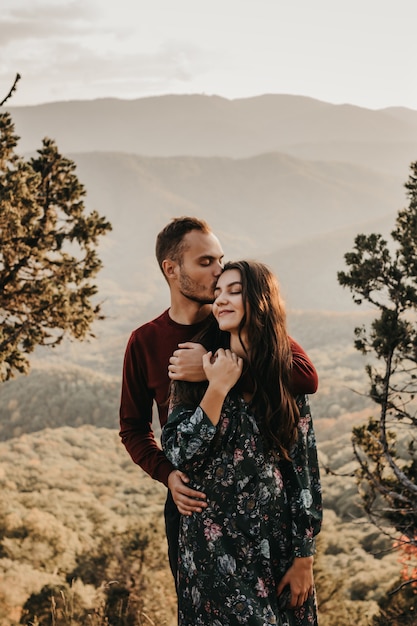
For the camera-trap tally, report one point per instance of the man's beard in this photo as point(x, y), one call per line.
point(189, 289)
point(195, 298)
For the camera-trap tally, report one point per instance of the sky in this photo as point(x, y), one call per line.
point(361, 52)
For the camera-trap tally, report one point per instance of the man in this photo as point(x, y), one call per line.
point(190, 257)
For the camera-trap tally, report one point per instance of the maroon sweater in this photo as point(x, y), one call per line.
point(145, 379)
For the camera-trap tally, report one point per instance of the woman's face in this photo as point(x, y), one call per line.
point(228, 307)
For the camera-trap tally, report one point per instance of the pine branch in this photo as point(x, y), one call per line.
point(412, 581)
point(13, 89)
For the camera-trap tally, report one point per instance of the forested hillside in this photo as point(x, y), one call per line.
point(76, 504)
point(51, 397)
point(79, 384)
point(79, 522)
point(82, 527)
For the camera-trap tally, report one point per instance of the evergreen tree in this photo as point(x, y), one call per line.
point(47, 252)
point(385, 275)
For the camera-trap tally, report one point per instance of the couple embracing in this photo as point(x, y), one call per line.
point(239, 454)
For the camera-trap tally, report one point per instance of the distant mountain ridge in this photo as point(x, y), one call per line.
point(200, 125)
point(279, 177)
point(261, 207)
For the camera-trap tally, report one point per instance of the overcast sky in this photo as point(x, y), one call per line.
point(358, 51)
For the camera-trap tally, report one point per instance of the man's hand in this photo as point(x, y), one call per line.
point(300, 579)
point(187, 363)
point(188, 500)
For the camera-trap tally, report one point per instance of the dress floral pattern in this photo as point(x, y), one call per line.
point(261, 512)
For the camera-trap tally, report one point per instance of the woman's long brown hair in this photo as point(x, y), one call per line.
point(269, 355)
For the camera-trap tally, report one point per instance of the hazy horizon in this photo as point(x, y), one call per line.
point(345, 52)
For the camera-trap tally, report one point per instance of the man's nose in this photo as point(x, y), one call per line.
point(218, 269)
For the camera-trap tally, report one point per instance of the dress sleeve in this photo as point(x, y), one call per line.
point(303, 485)
point(187, 436)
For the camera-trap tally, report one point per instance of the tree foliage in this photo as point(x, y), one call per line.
point(385, 275)
point(48, 255)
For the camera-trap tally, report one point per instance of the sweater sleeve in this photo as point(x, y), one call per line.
point(303, 486)
point(136, 415)
point(304, 375)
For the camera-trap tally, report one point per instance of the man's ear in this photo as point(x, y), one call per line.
point(169, 268)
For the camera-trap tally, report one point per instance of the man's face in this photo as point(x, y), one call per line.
point(200, 266)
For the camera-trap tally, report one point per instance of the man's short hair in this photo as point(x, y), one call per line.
point(169, 242)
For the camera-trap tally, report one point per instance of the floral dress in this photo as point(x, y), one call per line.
point(261, 513)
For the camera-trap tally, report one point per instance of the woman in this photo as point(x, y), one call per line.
point(249, 445)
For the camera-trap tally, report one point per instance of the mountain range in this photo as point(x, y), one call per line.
point(286, 179)
point(200, 125)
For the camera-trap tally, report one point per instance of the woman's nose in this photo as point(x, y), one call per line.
point(220, 298)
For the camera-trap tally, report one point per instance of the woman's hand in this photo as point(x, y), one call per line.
point(299, 577)
point(223, 370)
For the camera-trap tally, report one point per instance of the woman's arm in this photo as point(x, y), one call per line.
point(302, 479)
point(305, 485)
point(222, 371)
point(187, 436)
